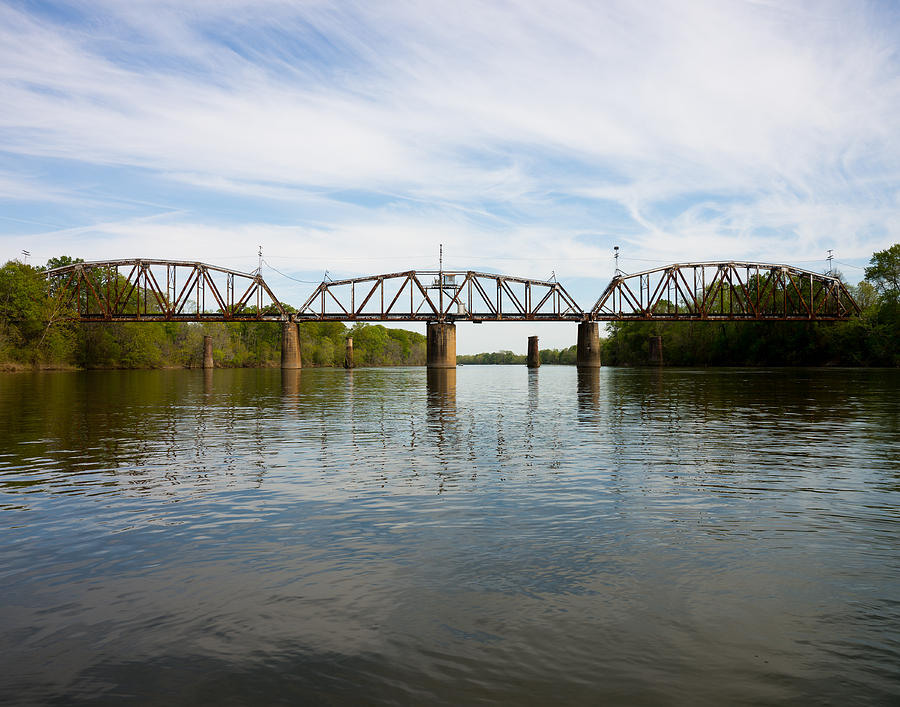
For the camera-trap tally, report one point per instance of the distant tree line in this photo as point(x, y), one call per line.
point(872, 339)
point(548, 356)
point(28, 339)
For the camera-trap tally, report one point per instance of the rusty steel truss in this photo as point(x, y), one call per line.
point(732, 291)
point(143, 290)
point(440, 295)
point(169, 290)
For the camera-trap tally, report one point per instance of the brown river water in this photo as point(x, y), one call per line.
point(489, 535)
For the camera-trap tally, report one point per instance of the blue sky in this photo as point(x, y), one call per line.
point(528, 138)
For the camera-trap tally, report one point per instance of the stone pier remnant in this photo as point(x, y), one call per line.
point(348, 353)
point(290, 345)
point(534, 354)
point(440, 345)
point(207, 352)
point(587, 353)
point(656, 354)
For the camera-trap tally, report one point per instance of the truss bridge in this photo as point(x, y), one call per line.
point(144, 290)
point(731, 291)
point(440, 295)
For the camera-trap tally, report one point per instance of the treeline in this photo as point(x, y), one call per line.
point(548, 356)
point(27, 338)
point(872, 339)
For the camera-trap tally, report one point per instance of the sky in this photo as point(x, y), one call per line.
point(526, 138)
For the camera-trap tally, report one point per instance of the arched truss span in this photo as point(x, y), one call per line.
point(161, 290)
point(732, 291)
point(433, 295)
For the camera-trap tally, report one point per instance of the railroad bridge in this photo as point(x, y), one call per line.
point(145, 290)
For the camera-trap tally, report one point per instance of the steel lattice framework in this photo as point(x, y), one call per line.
point(732, 291)
point(161, 290)
point(170, 290)
point(433, 295)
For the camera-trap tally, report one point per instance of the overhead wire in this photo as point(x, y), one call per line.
point(303, 282)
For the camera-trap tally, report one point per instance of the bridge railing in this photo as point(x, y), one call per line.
point(440, 295)
point(731, 291)
point(161, 290)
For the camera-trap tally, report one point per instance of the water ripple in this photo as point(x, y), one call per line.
point(489, 535)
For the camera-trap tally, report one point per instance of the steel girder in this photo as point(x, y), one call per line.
point(730, 291)
point(143, 290)
point(169, 290)
point(433, 295)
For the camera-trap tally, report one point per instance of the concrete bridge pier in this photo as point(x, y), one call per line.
point(207, 352)
point(348, 353)
point(440, 345)
point(656, 355)
point(534, 354)
point(290, 345)
point(587, 353)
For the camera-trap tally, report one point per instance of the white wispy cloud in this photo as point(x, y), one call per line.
point(679, 130)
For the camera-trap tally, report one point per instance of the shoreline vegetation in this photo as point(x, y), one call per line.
point(28, 342)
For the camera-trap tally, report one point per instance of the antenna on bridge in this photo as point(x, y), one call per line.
point(616, 255)
point(441, 257)
point(829, 259)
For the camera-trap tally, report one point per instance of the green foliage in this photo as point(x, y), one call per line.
point(61, 261)
point(872, 339)
point(495, 358)
point(375, 345)
point(24, 312)
point(548, 357)
point(27, 308)
point(884, 273)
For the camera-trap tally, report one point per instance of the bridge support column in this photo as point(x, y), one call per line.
point(348, 353)
point(290, 345)
point(440, 345)
point(534, 354)
point(587, 353)
point(656, 355)
point(207, 352)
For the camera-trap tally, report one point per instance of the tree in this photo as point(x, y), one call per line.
point(61, 261)
point(23, 310)
point(884, 272)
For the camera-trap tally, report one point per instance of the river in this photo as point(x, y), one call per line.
point(489, 535)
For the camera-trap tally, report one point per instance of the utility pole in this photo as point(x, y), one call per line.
point(616, 255)
point(829, 259)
